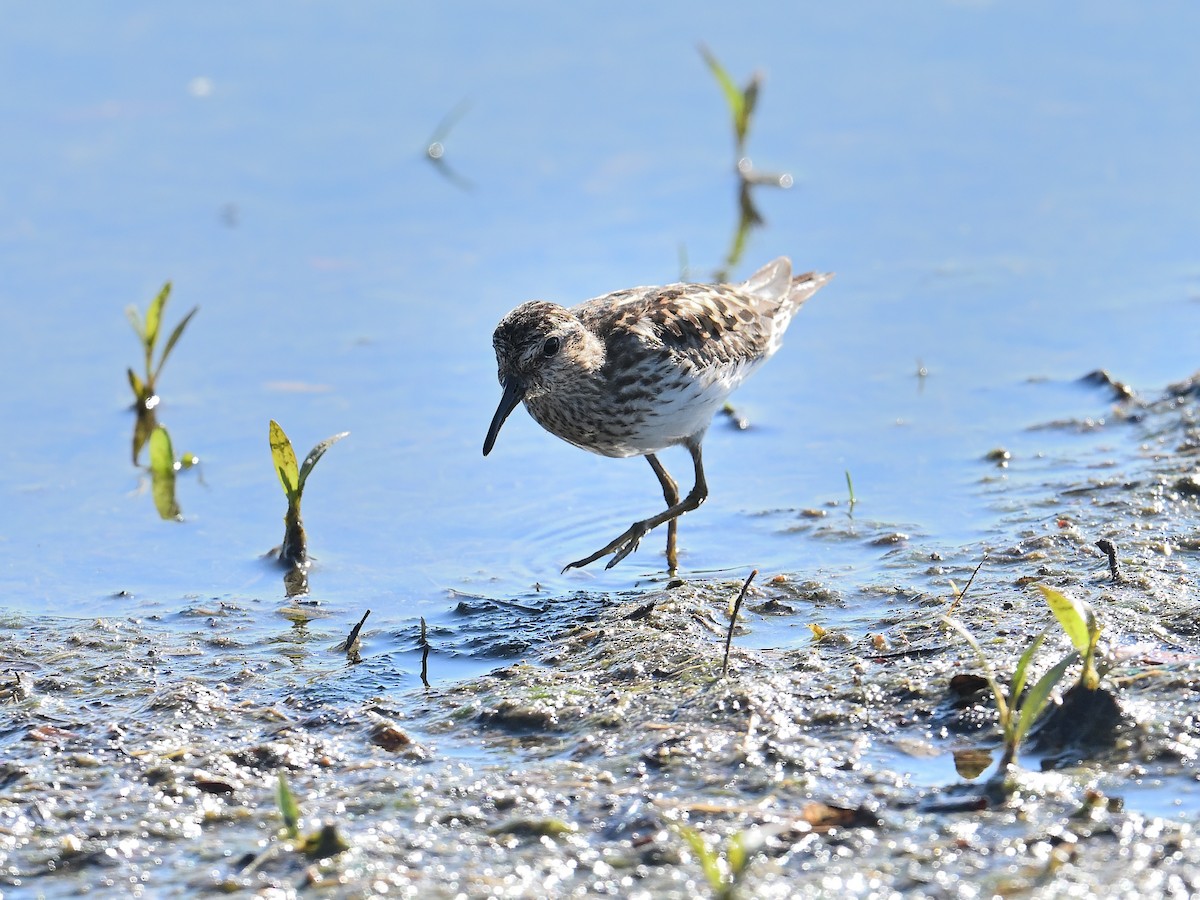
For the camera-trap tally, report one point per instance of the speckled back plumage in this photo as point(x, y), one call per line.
point(646, 368)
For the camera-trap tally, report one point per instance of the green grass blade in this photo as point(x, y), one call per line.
point(172, 340)
point(288, 808)
point(1039, 695)
point(1072, 615)
point(162, 456)
point(1090, 677)
point(139, 389)
point(1001, 704)
point(709, 861)
point(750, 100)
point(284, 458)
point(154, 314)
point(735, 853)
point(733, 96)
point(315, 454)
point(135, 319)
point(1018, 682)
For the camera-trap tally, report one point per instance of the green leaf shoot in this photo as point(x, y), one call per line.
point(284, 458)
point(1071, 614)
point(1001, 704)
point(1039, 696)
point(289, 810)
point(172, 340)
point(710, 861)
point(734, 97)
point(315, 454)
point(1078, 620)
point(144, 387)
point(135, 319)
point(735, 854)
point(138, 387)
point(1018, 682)
point(154, 317)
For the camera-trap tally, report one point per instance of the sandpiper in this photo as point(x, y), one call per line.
point(636, 371)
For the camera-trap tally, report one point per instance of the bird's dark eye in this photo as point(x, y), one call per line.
point(550, 347)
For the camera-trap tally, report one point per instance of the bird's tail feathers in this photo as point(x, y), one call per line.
point(804, 286)
point(774, 283)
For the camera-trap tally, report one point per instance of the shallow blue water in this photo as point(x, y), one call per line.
point(1007, 192)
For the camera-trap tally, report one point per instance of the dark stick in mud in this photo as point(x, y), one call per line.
point(1110, 550)
point(737, 605)
point(424, 655)
point(348, 644)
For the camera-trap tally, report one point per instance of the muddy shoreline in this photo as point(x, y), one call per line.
point(147, 758)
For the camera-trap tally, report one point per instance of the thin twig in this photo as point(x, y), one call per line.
point(967, 587)
point(737, 605)
point(424, 655)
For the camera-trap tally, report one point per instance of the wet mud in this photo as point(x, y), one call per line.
point(141, 755)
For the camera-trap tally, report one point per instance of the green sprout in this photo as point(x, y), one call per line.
point(294, 550)
point(289, 809)
point(1017, 709)
point(145, 386)
point(725, 868)
point(1078, 620)
point(741, 101)
point(323, 843)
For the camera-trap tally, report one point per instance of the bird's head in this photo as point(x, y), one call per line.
point(538, 345)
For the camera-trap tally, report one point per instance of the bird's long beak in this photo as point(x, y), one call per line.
point(514, 392)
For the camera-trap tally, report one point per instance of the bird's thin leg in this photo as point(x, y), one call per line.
point(627, 542)
point(671, 495)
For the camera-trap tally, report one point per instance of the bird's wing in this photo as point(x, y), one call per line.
point(703, 323)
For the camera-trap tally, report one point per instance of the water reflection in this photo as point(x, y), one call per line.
point(741, 102)
point(435, 150)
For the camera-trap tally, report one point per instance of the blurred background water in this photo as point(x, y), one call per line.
point(1009, 193)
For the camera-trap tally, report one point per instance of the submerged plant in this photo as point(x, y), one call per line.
point(162, 474)
point(145, 386)
point(294, 549)
point(1017, 709)
point(723, 868)
point(741, 103)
